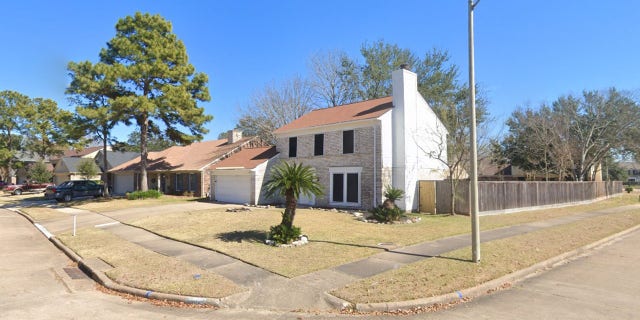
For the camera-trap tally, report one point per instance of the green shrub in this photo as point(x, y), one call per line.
point(393, 194)
point(628, 189)
point(138, 195)
point(282, 234)
point(386, 214)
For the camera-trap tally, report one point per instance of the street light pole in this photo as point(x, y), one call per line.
point(475, 221)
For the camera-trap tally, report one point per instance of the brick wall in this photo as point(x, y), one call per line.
point(333, 157)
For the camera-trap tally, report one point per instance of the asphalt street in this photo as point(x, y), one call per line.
point(39, 282)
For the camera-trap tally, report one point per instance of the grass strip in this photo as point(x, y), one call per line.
point(335, 238)
point(44, 213)
point(112, 204)
point(138, 267)
point(453, 271)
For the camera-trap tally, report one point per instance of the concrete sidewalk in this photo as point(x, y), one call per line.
point(270, 291)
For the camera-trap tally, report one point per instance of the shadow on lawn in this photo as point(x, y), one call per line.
point(247, 235)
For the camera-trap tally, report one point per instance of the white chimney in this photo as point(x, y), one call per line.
point(404, 121)
point(234, 136)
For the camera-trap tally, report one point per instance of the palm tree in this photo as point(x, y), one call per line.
point(290, 181)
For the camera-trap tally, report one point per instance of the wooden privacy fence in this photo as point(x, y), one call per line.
point(435, 196)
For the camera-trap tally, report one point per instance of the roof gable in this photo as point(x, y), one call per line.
point(369, 109)
point(70, 164)
point(193, 157)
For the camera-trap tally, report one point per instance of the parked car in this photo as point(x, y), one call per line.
point(18, 189)
point(74, 189)
point(3, 184)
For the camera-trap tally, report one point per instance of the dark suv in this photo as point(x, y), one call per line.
point(74, 189)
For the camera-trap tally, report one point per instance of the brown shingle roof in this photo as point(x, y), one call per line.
point(80, 153)
point(248, 158)
point(369, 109)
point(195, 156)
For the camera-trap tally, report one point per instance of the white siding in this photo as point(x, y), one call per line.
point(232, 188)
point(419, 138)
point(122, 182)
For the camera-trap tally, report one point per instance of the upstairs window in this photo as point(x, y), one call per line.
point(318, 145)
point(347, 141)
point(293, 147)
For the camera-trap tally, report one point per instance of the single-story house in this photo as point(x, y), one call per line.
point(239, 178)
point(358, 149)
point(633, 170)
point(180, 169)
point(66, 167)
point(19, 175)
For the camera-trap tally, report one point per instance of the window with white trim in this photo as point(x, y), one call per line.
point(345, 186)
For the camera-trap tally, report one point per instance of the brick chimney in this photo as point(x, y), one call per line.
point(234, 136)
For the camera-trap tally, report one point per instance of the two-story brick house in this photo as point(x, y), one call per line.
point(358, 149)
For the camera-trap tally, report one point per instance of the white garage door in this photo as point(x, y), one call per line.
point(234, 189)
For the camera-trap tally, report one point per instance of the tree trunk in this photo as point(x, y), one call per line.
point(290, 209)
point(105, 175)
point(452, 187)
point(144, 130)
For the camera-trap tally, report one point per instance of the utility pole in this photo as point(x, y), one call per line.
point(475, 220)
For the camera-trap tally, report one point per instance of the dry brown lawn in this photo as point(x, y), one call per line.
point(138, 267)
point(43, 213)
point(335, 238)
point(112, 204)
point(453, 271)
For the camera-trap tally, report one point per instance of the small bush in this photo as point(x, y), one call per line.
point(149, 194)
point(393, 194)
point(628, 189)
point(282, 234)
point(386, 214)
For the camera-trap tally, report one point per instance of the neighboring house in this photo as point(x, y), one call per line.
point(66, 168)
point(633, 170)
point(239, 178)
point(180, 169)
point(114, 159)
point(89, 152)
point(358, 149)
point(19, 175)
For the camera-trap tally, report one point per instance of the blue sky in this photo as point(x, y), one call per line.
point(527, 52)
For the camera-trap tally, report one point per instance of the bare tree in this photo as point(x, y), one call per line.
point(275, 106)
point(333, 79)
point(574, 135)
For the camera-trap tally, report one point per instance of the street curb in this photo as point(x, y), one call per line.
point(494, 285)
point(102, 278)
point(340, 304)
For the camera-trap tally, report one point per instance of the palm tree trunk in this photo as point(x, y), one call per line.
point(290, 209)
